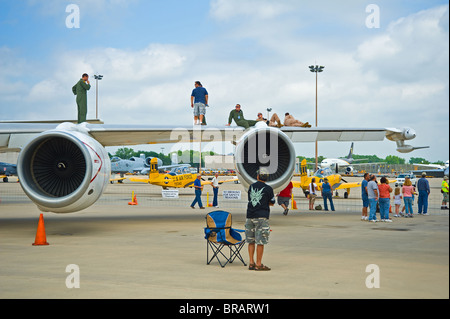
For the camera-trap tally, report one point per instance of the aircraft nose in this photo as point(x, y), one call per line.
point(410, 134)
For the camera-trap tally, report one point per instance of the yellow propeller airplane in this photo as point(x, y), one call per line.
point(170, 180)
point(336, 181)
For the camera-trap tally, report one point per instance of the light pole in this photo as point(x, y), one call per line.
point(316, 69)
point(269, 109)
point(97, 78)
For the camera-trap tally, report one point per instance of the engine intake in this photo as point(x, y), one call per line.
point(269, 148)
point(63, 171)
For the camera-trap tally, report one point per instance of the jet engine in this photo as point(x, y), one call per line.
point(148, 161)
point(266, 147)
point(63, 171)
point(349, 170)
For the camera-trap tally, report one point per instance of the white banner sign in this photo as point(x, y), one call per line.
point(169, 193)
point(231, 195)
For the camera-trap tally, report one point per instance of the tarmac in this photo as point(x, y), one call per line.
point(157, 250)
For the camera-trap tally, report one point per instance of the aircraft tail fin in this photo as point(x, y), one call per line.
point(153, 167)
point(303, 171)
point(350, 154)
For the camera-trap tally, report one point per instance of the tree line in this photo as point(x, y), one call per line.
point(192, 157)
point(184, 157)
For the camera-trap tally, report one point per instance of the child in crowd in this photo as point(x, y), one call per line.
point(397, 201)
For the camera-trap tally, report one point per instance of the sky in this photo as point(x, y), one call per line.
point(386, 64)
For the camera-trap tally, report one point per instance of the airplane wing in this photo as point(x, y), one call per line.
point(220, 182)
point(296, 184)
point(346, 185)
point(13, 136)
point(81, 147)
point(139, 179)
point(229, 180)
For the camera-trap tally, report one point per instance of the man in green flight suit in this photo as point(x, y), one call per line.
point(79, 90)
point(238, 116)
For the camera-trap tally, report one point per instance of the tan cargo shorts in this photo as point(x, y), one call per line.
point(257, 231)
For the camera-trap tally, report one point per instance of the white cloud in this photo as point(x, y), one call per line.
point(259, 9)
point(393, 77)
point(411, 48)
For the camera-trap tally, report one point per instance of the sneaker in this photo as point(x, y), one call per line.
point(216, 206)
point(396, 215)
point(192, 207)
point(426, 214)
point(285, 212)
point(373, 220)
point(388, 221)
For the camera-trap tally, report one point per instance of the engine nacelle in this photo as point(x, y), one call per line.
point(266, 147)
point(63, 170)
point(148, 161)
point(349, 170)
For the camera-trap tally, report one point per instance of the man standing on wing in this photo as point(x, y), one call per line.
point(80, 90)
point(199, 102)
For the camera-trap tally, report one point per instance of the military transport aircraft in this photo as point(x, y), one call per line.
point(336, 163)
point(6, 170)
point(65, 168)
point(141, 164)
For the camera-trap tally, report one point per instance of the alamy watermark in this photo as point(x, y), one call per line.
point(73, 279)
point(373, 279)
point(373, 19)
point(73, 19)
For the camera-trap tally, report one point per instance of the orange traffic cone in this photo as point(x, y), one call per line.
point(41, 238)
point(133, 199)
point(294, 204)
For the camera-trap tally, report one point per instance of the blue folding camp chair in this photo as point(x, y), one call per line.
point(219, 234)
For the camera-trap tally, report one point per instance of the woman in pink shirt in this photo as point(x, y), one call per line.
point(408, 191)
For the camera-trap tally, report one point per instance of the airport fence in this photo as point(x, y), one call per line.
point(11, 193)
